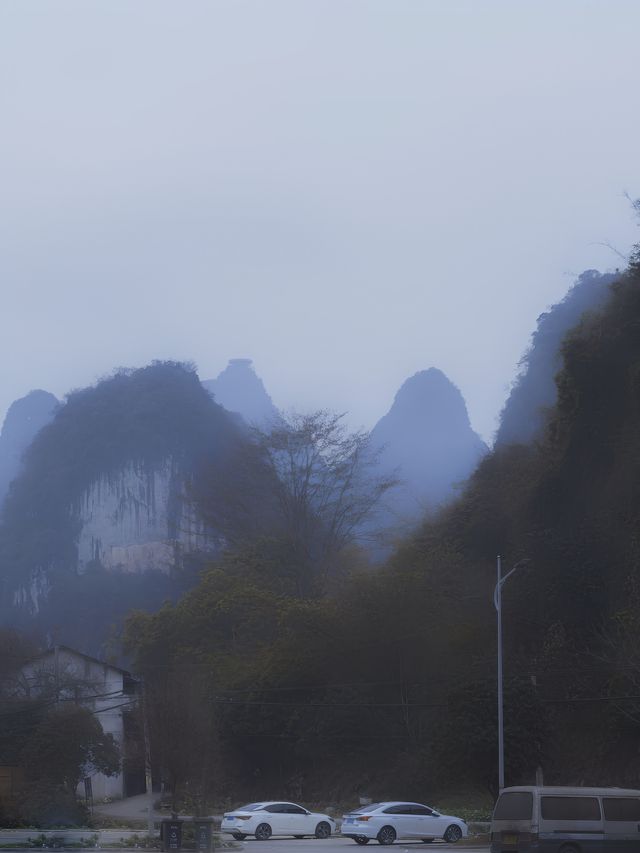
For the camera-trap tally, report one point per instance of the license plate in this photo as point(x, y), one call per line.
point(349, 820)
point(509, 838)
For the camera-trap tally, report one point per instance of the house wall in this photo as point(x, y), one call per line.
point(96, 686)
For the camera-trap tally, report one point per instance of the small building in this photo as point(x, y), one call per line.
point(107, 691)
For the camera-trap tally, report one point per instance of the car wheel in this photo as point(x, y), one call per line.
point(239, 836)
point(387, 835)
point(452, 833)
point(361, 839)
point(323, 830)
point(263, 832)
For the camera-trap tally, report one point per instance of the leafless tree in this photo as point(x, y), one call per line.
point(326, 485)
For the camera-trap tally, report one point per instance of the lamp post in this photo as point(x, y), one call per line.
point(497, 601)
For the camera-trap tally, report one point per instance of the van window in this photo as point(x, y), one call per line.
point(516, 805)
point(621, 808)
point(570, 808)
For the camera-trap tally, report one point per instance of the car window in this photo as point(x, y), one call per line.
point(421, 810)
point(402, 808)
point(291, 809)
point(252, 807)
point(276, 808)
point(363, 809)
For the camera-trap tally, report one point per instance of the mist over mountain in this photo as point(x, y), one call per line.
point(426, 437)
point(103, 514)
point(24, 419)
point(240, 390)
point(534, 390)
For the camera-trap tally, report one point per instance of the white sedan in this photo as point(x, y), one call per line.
point(387, 821)
point(276, 818)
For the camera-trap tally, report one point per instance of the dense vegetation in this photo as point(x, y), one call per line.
point(387, 688)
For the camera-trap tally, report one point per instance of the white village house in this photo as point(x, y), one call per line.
point(106, 690)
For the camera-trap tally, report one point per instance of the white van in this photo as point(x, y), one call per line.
point(529, 819)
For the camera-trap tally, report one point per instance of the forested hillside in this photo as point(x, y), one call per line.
point(388, 687)
point(534, 390)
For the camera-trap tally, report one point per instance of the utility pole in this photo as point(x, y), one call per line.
point(497, 601)
point(498, 605)
point(56, 667)
point(147, 764)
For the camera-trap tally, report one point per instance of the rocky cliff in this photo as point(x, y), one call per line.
point(135, 520)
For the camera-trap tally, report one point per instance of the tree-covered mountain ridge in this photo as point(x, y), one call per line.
point(103, 488)
point(102, 484)
point(534, 391)
point(295, 686)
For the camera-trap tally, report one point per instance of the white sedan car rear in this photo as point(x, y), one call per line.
point(276, 818)
point(387, 821)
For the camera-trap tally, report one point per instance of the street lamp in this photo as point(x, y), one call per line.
point(497, 601)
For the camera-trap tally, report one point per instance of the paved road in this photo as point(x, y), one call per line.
point(132, 808)
point(249, 845)
point(344, 845)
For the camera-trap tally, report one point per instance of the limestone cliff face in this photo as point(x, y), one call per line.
point(30, 595)
point(426, 438)
point(240, 390)
point(23, 422)
point(136, 520)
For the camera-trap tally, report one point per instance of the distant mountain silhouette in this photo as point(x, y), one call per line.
point(534, 391)
point(426, 436)
point(23, 422)
point(240, 390)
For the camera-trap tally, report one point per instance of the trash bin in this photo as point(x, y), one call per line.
point(203, 827)
point(171, 831)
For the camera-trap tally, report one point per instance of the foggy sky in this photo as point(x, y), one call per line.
point(346, 191)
